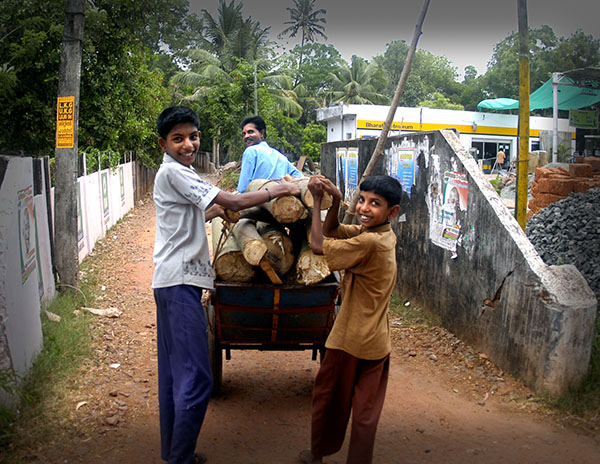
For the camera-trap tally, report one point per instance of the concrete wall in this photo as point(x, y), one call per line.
point(462, 256)
point(26, 268)
point(23, 232)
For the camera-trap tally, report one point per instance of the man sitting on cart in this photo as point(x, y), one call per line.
point(354, 372)
point(259, 160)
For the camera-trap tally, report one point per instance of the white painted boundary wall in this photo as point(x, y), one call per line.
point(21, 287)
point(26, 275)
point(103, 198)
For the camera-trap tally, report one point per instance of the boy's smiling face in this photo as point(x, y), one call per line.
point(182, 143)
point(372, 209)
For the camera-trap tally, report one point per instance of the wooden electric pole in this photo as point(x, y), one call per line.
point(523, 158)
point(66, 151)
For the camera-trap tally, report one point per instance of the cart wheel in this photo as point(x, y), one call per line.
point(215, 353)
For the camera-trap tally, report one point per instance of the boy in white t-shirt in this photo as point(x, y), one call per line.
point(184, 202)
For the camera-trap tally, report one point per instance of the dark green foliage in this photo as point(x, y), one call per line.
point(313, 136)
point(548, 54)
point(31, 33)
point(120, 95)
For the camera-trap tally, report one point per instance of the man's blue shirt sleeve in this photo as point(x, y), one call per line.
point(248, 167)
point(293, 171)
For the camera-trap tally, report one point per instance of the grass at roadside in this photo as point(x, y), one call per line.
point(42, 394)
point(410, 313)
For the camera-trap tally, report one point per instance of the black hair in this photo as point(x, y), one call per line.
point(258, 122)
point(174, 115)
point(386, 186)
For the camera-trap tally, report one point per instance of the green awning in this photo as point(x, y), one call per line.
point(569, 96)
point(498, 104)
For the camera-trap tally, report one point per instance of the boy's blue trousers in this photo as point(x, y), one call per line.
point(184, 374)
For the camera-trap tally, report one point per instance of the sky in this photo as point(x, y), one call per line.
point(465, 31)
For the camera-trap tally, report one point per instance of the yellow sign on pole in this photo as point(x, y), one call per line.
point(65, 122)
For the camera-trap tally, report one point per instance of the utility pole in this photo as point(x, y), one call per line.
point(66, 151)
point(523, 158)
point(349, 216)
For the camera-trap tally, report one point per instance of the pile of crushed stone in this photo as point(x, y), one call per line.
point(568, 232)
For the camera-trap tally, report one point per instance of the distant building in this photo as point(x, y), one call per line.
point(484, 134)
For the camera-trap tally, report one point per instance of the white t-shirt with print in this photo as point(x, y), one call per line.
point(181, 254)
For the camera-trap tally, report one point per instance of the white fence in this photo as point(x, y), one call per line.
point(26, 269)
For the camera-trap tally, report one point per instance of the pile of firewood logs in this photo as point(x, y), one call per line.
point(269, 242)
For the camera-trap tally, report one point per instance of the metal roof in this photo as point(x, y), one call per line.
point(585, 77)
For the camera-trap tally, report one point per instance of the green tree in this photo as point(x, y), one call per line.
point(159, 25)
point(30, 38)
point(470, 73)
point(429, 73)
point(120, 94)
point(357, 83)
point(549, 54)
point(306, 20)
point(314, 76)
point(471, 89)
point(313, 135)
point(229, 36)
point(283, 133)
point(440, 101)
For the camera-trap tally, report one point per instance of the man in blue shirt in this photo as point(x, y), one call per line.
point(259, 160)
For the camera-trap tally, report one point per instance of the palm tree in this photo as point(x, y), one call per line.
point(230, 36)
point(205, 70)
point(303, 17)
point(354, 84)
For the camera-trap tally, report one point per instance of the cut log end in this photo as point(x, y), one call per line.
point(232, 267)
point(311, 268)
point(254, 251)
point(288, 209)
point(280, 251)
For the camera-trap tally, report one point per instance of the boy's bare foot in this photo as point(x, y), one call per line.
point(306, 457)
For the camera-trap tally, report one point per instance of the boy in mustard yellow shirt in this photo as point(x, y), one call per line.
point(354, 372)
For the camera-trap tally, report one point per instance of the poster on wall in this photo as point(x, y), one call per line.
point(26, 232)
point(122, 185)
point(65, 122)
point(445, 228)
point(346, 172)
point(402, 166)
point(340, 166)
point(351, 172)
point(105, 203)
point(80, 242)
point(38, 257)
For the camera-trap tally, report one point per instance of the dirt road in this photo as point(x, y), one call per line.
point(445, 404)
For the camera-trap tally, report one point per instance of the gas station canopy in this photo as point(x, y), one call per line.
point(578, 88)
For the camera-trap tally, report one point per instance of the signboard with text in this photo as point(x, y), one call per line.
point(583, 119)
point(65, 122)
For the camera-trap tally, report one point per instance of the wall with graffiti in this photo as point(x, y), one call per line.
point(463, 257)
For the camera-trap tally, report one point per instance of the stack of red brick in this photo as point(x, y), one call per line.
point(553, 184)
